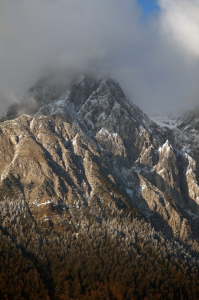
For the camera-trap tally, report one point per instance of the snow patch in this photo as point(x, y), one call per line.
point(166, 146)
point(44, 203)
point(164, 120)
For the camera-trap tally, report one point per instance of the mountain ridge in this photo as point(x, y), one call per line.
point(97, 201)
point(90, 134)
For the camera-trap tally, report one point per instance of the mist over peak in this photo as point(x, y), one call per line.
point(153, 60)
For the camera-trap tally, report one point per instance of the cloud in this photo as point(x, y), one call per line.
point(162, 74)
point(38, 36)
point(180, 21)
point(155, 60)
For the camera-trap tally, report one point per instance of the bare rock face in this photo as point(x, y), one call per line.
point(89, 153)
point(112, 142)
point(57, 169)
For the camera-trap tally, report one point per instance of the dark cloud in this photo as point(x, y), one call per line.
point(154, 64)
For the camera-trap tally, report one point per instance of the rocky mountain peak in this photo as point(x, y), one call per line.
point(86, 152)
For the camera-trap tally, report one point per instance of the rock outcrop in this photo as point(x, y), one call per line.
point(88, 152)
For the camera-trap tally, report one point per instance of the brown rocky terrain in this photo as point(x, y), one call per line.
point(88, 153)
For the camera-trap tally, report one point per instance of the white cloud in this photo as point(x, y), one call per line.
point(180, 21)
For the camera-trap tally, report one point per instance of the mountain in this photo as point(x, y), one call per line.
point(86, 163)
point(93, 142)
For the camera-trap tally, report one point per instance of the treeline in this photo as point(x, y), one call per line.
point(123, 258)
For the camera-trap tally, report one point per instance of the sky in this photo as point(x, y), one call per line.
point(148, 7)
point(150, 47)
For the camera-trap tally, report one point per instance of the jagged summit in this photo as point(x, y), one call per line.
point(77, 92)
point(87, 152)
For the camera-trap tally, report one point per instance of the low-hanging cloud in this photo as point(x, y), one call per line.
point(42, 35)
point(153, 60)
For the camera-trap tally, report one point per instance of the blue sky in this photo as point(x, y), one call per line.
point(148, 6)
